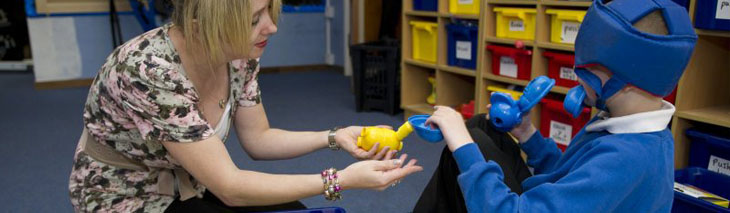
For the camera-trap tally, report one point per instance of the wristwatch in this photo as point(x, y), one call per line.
point(331, 139)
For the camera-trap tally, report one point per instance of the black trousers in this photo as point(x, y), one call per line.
point(442, 194)
point(211, 203)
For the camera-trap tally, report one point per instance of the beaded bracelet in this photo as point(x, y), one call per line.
point(331, 184)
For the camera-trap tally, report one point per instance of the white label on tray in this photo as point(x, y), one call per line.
point(723, 9)
point(561, 132)
point(466, 1)
point(516, 25)
point(569, 30)
point(568, 73)
point(688, 190)
point(463, 50)
point(719, 165)
point(507, 67)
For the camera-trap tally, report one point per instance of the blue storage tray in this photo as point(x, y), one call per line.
point(425, 5)
point(704, 179)
point(462, 33)
point(706, 16)
point(703, 145)
point(315, 210)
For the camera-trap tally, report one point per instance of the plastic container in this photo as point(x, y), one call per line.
point(672, 96)
point(462, 43)
point(315, 210)
point(376, 76)
point(425, 5)
point(515, 94)
point(564, 25)
point(709, 151)
point(560, 68)
point(467, 110)
point(464, 7)
point(515, 23)
point(712, 14)
point(511, 62)
point(558, 124)
point(712, 182)
point(426, 133)
point(425, 38)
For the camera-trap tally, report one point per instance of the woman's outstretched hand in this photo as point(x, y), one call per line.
point(347, 139)
point(377, 174)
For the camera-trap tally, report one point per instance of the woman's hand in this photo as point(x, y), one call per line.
point(377, 175)
point(452, 126)
point(522, 131)
point(346, 138)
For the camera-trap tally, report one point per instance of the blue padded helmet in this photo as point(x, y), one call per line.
point(653, 63)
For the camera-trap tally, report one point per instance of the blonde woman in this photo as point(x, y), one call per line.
point(161, 106)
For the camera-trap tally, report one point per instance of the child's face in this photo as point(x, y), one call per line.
point(604, 74)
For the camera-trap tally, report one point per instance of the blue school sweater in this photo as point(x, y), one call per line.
point(622, 164)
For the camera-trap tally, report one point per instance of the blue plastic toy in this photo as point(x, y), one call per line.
point(424, 131)
point(506, 113)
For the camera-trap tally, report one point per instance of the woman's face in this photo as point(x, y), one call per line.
point(262, 27)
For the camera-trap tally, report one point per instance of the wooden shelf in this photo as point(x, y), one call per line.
point(420, 108)
point(420, 63)
point(460, 16)
point(422, 13)
point(508, 80)
point(554, 46)
point(703, 95)
point(567, 3)
point(503, 79)
point(507, 41)
point(513, 2)
point(458, 70)
point(717, 33)
point(712, 115)
point(560, 89)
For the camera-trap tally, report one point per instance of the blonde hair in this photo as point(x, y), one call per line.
point(214, 23)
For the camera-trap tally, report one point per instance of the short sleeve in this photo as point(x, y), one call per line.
point(245, 82)
point(160, 101)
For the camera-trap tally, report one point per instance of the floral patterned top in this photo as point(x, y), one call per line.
point(139, 98)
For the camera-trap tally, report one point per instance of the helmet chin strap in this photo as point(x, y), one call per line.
point(603, 92)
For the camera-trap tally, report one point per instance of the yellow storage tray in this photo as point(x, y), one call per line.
point(425, 38)
point(564, 25)
point(464, 7)
point(515, 23)
point(515, 95)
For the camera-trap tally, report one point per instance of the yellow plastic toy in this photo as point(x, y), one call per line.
point(386, 137)
point(431, 99)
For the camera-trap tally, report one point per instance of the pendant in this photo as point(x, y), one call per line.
point(222, 103)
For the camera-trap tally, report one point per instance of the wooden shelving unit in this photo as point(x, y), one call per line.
point(703, 96)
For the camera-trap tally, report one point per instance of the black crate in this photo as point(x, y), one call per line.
point(376, 76)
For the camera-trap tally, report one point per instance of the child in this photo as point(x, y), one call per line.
point(629, 54)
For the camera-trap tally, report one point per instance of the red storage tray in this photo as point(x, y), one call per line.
point(671, 97)
point(467, 110)
point(517, 62)
point(560, 68)
point(558, 124)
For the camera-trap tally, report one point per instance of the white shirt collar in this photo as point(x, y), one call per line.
point(652, 121)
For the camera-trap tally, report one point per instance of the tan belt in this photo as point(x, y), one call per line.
point(165, 180)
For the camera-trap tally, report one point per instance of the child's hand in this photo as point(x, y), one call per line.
point(522, 131)
point(452, 126)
